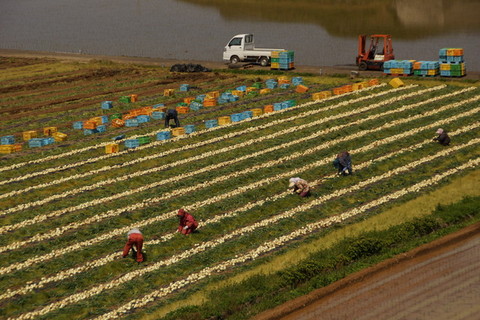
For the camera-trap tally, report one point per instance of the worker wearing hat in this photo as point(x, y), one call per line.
point(135, 238)
point(299, 186)
point(443, 137)
point(187, 223)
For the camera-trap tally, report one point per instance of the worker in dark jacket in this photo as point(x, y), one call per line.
point(171, 114)
point(443, 137)
point(343, 163)
point(135, 238)
point(187, 223)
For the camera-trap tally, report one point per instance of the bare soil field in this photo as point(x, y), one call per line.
point(437, 281)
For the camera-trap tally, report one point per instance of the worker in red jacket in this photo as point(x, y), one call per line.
point(135, 238)
point(187, 223)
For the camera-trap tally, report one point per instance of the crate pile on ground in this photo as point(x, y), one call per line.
point(282, 60)
point(452, 63)
point(398, 67)
point(426, 68)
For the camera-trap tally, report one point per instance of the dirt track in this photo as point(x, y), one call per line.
point(439, 280)
point(326, 70)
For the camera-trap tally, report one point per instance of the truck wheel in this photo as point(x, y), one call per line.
point(264, 61)
point(363, 66)
point(234, 59)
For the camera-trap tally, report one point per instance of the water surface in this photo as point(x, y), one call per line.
point(322, 32)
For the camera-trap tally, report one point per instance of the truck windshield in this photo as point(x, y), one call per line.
point(235, 42)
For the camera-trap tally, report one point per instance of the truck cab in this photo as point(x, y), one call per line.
point(242, 48)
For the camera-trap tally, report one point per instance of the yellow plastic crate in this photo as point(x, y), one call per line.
point(17, 147)
point(396, 82)
point(179, 131)
point(445, 66)
point(238, 93)
point(257, 111)
point(224, 120)
point(357, 86)
point(168, 92)
point(133, 98)
point(98, 120)
point(27, 135)
point(112, 148)
point(7, 148)
point(58, 136)
point(213, 95)
point(432, 72)
point(274, 65)
point(49, 131)
point(265, 91)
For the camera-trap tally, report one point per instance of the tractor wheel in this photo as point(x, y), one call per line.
point(234, 59)
point(264, 61)
point(363, 66)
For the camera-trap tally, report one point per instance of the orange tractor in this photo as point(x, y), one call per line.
point(380, 50)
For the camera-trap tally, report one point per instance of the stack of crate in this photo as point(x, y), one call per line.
point(8, 145)
point(452, 63)
point(426, 68)
point(283, 60)
point(398, 67)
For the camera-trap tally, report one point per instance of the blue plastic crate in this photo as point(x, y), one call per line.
point(387, 71)
point(158, 115)
point(200, 97)
point(247, 114)
point(106, 105)
point(272, 85)
point(236, 117)
point(164, 135)
point(159, 105)
point(132, 143)
point(131, 122)
point(189, 128)
point(143, 118)
point(195, 106)
point(35, 142)
point(7, 140)
point(297, 80)
point(233, 98)
point(101, 128)
point(78, 125)
point(242, 88)
point(285, 86)
point(184, 87)
point(48, 140)
point(277, 106)
point(211, 123)
point(445, 73)
point(89, 131)
point(104, 119)
point(221, 101)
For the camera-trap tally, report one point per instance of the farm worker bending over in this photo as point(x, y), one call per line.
point(171, 114)
point(135, 237)
point(443, 137)
point(187, 222)
point(299, 186)
point(343, 163)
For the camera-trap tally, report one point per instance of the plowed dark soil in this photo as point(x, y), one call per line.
point(438, 281)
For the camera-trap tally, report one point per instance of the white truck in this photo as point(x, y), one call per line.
point(242, 48)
